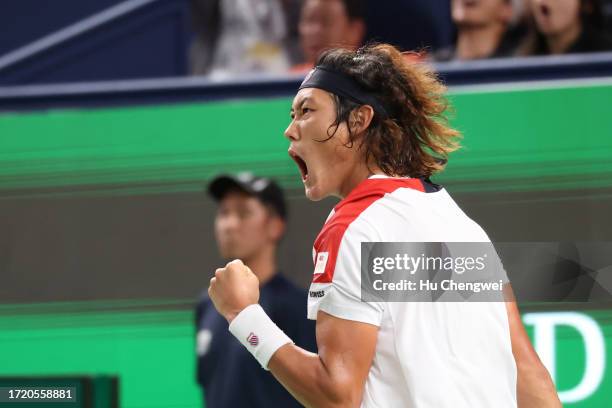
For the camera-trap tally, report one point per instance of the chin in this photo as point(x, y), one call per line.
point(314, 194)
point(230, 254)
point(545, 29)
point(313, 197)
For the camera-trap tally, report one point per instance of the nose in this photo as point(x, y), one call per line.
point(291, 131)
point(227, 223)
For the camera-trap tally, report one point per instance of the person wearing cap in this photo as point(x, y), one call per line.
point(369, 127)
point(249, 223)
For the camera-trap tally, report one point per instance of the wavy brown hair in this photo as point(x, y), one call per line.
point(414, 139)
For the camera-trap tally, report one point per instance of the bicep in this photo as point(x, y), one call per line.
point(346, 349)
point(334, 377)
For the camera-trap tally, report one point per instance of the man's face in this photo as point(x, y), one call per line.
point(555, 16)
point(323, 24)
point(476, 13)
point(243, 226)
point(324, 165)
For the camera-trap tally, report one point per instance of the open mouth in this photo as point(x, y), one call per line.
point(301, 164)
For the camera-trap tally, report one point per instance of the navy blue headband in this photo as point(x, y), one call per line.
point(342, 85)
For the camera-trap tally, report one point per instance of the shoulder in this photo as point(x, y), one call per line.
point(592, 40)
point(362, 217)
point(339, 243)
point(354, 220)
point(353, 215)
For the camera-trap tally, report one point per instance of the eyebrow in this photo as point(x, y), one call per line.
point(300, 104)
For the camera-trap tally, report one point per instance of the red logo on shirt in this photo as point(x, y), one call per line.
point(252, 339)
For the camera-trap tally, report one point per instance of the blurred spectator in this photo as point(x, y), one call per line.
point(481, 27)
point(292, 9)
point(607, 14)
point(329, 23)
point(238, 36)
point(569, 26)
point(250, 222)
point(521, 34)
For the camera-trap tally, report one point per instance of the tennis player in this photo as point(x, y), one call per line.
point(368, 126)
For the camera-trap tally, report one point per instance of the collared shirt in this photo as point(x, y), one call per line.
point(428, 354)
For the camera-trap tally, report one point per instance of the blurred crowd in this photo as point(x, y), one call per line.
point(233, 37)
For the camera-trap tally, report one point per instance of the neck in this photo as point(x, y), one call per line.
point(562, 41)
point(478, 41)
point(357, 177)
point(263, 264)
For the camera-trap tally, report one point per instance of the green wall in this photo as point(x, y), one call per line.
point(152, 351)
point(552, 137)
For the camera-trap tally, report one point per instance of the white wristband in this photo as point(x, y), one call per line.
point(258, 333)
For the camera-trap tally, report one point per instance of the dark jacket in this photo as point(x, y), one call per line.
point(590, 40)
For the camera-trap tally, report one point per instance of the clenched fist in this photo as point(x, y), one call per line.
point(233, 288)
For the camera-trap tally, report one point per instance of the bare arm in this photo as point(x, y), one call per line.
point(535, 388)
point(336, 376)
point(333, 378)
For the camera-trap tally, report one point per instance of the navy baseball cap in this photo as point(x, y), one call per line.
point(265, 189)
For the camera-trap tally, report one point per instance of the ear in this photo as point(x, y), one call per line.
point(361, 118)
point(276, 227)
